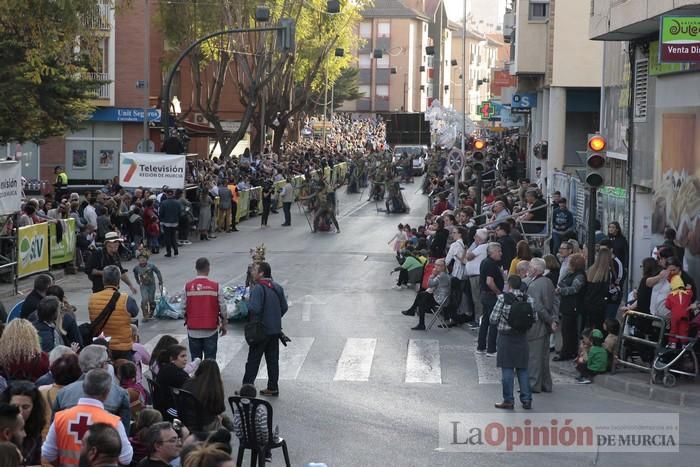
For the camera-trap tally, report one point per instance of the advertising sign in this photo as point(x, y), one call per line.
point(63, 251)
point(523, 102)
point(10, 187)
point(32, 249)
point(656, 68)
point(124, 114)
point(151, 170)
point(679, 39)
point(489, 110)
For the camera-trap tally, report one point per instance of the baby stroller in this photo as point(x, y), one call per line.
point(683, 362)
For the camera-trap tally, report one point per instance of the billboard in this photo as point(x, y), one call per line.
point(151, 170)
point(679, 39)
point(32, 249)
point(10, 187)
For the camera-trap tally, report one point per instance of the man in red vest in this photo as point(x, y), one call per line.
point(205, 312)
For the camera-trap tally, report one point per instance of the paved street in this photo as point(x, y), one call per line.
point(358, 387)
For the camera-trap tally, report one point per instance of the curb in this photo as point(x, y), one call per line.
point(648, 391)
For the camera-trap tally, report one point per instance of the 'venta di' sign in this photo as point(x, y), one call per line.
point(151, 170)
point(679, 39)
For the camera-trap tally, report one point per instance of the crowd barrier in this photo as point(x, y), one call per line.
point(38, 247)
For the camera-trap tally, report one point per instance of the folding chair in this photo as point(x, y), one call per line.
point(247, 408)
point(438, 314)
point(162, 400)
point(190, 411)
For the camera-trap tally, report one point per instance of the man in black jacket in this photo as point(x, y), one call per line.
point(41, 285)
point(267, 304)
point(169, 213)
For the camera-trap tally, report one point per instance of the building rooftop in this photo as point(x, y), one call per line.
point(393, 9)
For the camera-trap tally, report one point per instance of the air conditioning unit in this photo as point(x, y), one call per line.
point(200, 119)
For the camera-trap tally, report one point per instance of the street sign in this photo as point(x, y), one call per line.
point(146, 146)
point(455, 160)
point(522, 103)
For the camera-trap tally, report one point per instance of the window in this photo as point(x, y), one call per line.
point(381, 90)
point(641, 81)
point(539, 10)
point(364, 61)
point(364, 90)
point(383, 62)
point(384, 30)
point(366, 29)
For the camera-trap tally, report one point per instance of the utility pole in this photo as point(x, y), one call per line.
point(592, 213)
point(146, 72)
point(464, 77)
point(325, 104)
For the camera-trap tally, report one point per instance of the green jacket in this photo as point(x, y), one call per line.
point(411, 263)
point(597, 359)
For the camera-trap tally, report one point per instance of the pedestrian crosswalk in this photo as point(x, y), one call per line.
point(362, 360)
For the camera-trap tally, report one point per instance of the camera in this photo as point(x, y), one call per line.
point(177, 427)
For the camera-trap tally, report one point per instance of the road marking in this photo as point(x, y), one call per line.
point(423, 361)
point(306, 312)
point(355, 362)
point(227, 348)
point(308, 301)
point(291, 358)
point(354, 210)
point(151, 344)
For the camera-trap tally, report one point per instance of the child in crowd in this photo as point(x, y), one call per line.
point(583, 347)
point(678, 301)
point(612, 328)
point(597, 359)
point(399, 240)
point(141, 354)
point(145, 274)
point(126, 373)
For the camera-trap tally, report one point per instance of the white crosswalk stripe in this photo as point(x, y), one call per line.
point(423, 361)
point(291, 359)
point(227, 348)
point(355, 362)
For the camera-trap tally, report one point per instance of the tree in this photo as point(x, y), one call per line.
point(44, 90)
point(263, 76)
point(345, 88)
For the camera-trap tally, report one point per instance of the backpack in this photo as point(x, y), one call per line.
point(522, 316)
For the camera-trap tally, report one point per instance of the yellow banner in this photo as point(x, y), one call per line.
point(32, 249)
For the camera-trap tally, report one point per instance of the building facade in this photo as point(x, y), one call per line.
point(404, 56)
point(658, 105)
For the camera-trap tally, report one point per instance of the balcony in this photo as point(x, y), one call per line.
point(98, 17)
point(103, 90)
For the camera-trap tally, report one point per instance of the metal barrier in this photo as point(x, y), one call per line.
point(626, 326)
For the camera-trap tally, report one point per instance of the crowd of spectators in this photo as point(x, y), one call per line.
point(479, 240)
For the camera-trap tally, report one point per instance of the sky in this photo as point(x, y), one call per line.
point(455, 8)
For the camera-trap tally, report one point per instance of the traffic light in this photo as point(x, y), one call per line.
point(479, 155)
point(595, 160)
point(286, 36)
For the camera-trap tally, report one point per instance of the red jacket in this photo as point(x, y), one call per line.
point(202, 303)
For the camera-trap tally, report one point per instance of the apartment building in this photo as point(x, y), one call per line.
point(404, 56)
point(664, 148)
point(117, 124)
point(553, 57)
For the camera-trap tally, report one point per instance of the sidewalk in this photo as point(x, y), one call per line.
point(686, 392)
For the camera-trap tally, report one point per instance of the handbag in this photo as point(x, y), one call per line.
point(89, 330)
point(254, 330)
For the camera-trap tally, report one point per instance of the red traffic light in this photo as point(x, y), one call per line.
point(597, 143)
point(595, 161)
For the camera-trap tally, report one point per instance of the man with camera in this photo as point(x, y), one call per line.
point(267, 306)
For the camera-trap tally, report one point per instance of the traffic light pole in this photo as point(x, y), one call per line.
point(165, 110)
point(478, 192)
point(592, 211)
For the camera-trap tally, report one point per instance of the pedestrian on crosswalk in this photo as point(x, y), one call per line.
point(268, 305)
point(205, 313)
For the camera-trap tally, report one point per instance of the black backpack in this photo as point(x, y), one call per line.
point(521, 316)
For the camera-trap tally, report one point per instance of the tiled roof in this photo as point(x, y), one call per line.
point(392, 9)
